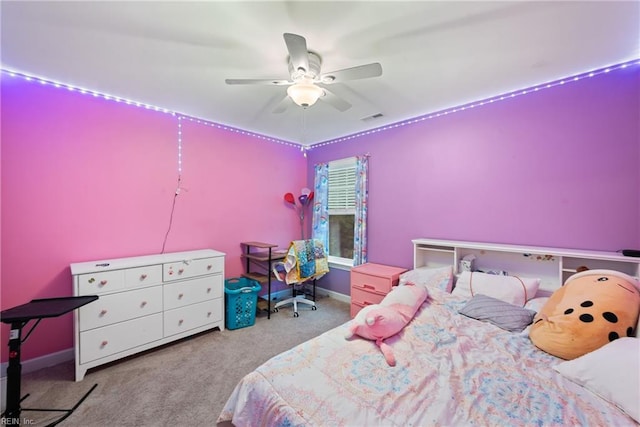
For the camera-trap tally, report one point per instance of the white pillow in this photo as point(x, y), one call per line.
point(536, 304)
point(509, 289)
point(436, 277)
point(612, 372)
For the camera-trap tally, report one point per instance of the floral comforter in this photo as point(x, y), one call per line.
point(451, 371)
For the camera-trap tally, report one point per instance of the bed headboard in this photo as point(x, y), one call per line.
point(552, 265)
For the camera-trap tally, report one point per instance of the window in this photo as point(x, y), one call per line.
point(342, 209)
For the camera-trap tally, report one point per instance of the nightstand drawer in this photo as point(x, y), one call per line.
point(365, 298)
point(370, 283)
point(355, 309)
point(375, 277)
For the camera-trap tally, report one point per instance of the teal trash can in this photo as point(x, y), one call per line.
point(241, 302)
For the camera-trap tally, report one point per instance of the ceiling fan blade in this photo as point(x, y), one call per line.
point(257, 82)
point(282, 105)
point(354, 73)
point(335, 101)
point(298, 53)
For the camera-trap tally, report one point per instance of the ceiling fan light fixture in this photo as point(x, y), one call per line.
point(304, 94)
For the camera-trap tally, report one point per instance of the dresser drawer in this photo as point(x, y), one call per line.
point(192, 268)
point(375, 277)
point(371, 283)
point(355, 309)
point(100, 282)
point(192, 316)
point(143, 276)
point(114, 308)
point(103, 342)
point(365, 298)
point(188, 292)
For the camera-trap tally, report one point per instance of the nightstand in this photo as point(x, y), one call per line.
point(370, 283)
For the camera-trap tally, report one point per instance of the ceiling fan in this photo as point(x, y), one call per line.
point(306, 83)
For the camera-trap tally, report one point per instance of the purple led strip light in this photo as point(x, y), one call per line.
point(418, 119)
point(491, 100)
point(240, 131)
point(96, 94)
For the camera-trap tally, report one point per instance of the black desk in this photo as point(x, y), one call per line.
point(18, 317)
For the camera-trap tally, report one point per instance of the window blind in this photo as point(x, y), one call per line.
point(342, 189)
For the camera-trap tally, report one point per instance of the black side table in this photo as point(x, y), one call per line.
point(18, 317)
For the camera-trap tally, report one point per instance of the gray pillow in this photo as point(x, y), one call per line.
point(502, 314)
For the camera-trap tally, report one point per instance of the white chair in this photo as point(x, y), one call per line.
point(306, 261)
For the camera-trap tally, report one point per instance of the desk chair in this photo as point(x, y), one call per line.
point(306, 261)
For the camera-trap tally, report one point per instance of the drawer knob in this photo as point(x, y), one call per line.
point(181, 271)
point(209, 314)
point(143, 303)
point(104, 343)
point(209, 267)
point(143, 276)
point(103, 312)
point(180, 322)
point(180, 296)
point(103, 282)
point(170, 272)
point(208, 290)
point(368, 286)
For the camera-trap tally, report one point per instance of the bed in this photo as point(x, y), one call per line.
point(451, 370)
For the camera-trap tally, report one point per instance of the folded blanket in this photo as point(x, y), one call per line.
point(305, 260)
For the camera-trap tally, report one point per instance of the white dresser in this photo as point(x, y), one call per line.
point(145, 302)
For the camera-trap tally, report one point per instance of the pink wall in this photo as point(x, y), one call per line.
point(555, 168)
point(84, 178)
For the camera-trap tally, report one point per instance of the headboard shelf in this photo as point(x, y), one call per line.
point(552, 265)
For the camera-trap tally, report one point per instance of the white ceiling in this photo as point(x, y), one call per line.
point(434, 54)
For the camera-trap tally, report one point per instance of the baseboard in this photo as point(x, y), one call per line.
point(41, 362)
point(33, 365)
point(335, 295)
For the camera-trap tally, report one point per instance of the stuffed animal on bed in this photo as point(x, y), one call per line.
point(593, 308)
point(380, 321)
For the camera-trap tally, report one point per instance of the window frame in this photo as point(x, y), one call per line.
point(342, 164)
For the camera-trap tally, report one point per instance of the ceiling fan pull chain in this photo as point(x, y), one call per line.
point(304, 127)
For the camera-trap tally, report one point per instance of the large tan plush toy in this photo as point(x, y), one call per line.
point(593, 308)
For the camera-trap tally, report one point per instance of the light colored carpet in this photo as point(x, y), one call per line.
point(184, 383)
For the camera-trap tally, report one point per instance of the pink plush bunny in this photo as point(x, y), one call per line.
point(380, 321)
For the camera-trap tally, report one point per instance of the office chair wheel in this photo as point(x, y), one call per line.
point(295, 314)
point(313, 307)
